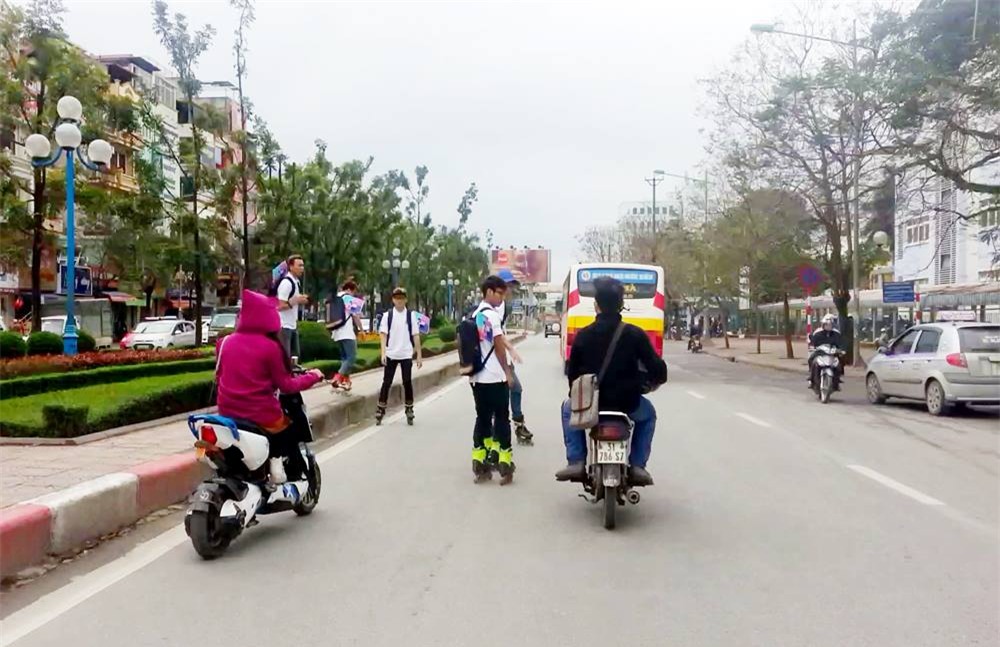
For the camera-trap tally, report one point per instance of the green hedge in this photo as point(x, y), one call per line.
point(447, 334)
point(24, 386)
point(315, 342)
point(11, 345)
point(85, 342)
point(45, 343)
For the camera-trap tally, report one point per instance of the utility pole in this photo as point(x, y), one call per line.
point(856, 257)
point(653, 181)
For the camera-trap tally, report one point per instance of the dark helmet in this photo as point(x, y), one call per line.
point(609, 294)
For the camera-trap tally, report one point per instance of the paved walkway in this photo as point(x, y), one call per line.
point(772, 355)
point(27, 472)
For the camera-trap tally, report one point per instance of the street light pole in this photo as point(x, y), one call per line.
point(854, 229)
point(68, 139)
point(653, 181)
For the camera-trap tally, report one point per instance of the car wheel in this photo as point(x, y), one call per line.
point(936, 403)
point(874, 389)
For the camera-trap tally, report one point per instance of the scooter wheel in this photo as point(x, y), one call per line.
point(207, 536)
point(610, 507)
point(307, 503)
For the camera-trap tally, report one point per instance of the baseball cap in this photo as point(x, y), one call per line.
point(507, 275)
point(399, 292)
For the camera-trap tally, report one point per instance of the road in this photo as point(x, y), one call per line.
point(775, 520)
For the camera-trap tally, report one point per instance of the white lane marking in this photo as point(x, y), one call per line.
point(916, 495)
point(695, 394)
point(756, 421)
point(49, 607)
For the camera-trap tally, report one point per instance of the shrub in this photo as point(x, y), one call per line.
point(440, 321)
point(85, 342)
point(315, 342)
point(44, 343)
point(11, 345)
point(65, 422)
point(34, 384)
point(447, 334)
point(180, 399)
point(63, 363)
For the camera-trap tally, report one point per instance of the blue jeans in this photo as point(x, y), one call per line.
point(515, 398)
point(348, 355)
point(644, 418)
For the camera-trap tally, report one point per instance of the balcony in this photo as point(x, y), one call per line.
point(120, 180)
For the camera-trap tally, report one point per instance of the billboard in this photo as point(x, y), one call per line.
point(527, 265)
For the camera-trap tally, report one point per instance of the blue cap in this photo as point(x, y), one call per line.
point(506, 275)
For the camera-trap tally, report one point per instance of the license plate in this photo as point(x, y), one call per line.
point(612, 451)
point(143, 347)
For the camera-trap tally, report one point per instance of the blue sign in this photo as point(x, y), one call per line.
point(623, 275)
point(898, 292)
point(81, 276)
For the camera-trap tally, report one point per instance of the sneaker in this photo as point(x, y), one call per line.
point(277, 470)
point(572, 472)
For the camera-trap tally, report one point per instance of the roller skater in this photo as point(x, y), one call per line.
point(399, 334)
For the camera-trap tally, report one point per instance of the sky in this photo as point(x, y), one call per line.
point(556, 110)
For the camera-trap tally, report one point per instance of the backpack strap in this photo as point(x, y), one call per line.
point(409, 323)
point(388, 328)
point(611, 352)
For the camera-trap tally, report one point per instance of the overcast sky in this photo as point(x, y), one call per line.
point(556, 110)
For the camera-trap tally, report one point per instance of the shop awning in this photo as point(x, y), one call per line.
point(118, 297)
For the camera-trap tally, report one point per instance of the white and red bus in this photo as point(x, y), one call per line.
point(645, 300)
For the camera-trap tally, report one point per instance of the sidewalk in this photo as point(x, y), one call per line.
point(772, 353)
point(27, 472)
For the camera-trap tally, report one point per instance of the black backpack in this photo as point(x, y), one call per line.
point(338, 314)
point(273, 292)
point(470, 357)
point(388, 325)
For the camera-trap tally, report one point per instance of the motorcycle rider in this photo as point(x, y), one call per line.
point(826, 335)
point(695, 332)
point(623, 383)
point(251, 367)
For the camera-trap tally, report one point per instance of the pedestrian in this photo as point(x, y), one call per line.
point(516, 390)
point(491, 387)
point(290, 298)
point(399, 332)
point(345, 326)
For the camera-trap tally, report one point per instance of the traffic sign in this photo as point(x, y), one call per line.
point(898, 292)
point(809, 277)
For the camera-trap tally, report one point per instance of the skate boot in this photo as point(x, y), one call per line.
point(506, 467)
point(345, 384)
point(409, 414)
point(379, 413)
point(335, 381)
point(480, 470)
point(492, 453)
point(524, 437)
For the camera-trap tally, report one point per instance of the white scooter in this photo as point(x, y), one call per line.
point(826, 360)
point(245, 484)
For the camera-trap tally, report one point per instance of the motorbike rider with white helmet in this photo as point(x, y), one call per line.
point(827, 335)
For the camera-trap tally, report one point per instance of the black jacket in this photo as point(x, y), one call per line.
point(831, 337)
point(622, 384)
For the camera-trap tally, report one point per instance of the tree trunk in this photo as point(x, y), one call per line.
point(841, 299)
point(758, 329)
point(37, 227)
point(725, 326)
point(789, 350)
point(197, 226)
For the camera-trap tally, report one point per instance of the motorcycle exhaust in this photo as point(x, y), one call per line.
point(632, 497)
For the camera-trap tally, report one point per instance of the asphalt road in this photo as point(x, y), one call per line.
point(775, 520)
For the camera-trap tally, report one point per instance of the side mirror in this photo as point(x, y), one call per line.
point(883, 350)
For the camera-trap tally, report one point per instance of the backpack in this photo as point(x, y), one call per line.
point(338, 314)
point(470, 356)
point(279, 274)
point(388, 326)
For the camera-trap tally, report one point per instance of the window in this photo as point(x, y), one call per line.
point(904, 344)
point(6, 139)
point(635, 210)
point(991, 217)
point(928, 342)
point(918, 231)
point(946, 265)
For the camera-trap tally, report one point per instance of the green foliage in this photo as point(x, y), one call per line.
point(315, 342)
point(12, 345)
point(447, 334)
point(439, 320)
point(65, 422)
point(25, 386)
point(44, 343)
point(85, 342)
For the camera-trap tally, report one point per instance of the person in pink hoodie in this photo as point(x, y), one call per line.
point(253, 366)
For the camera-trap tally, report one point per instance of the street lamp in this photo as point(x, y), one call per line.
point(451, 283)
point(69, 140)
point(855, 231)
point(395, 264)
point(687, 178)
point(653, 181)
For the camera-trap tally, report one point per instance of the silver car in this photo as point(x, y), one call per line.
point(944, 364)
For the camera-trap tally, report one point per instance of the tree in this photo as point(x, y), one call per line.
point(247, 18)
point(37, 67)
point(185, 48)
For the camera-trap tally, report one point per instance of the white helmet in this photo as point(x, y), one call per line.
point(829, 319)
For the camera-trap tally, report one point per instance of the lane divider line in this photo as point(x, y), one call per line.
point(52, 605)
point(752, 420)
point(695, 394)
point(892, 484)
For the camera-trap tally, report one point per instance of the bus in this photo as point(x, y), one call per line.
point(644, 300)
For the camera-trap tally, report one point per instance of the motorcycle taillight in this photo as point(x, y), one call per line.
point(611, 430)
point(208, 434)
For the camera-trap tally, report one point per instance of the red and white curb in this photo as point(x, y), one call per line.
point(57, 523)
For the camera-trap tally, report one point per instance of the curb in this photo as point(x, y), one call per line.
point(744, 359)
point(62, 521)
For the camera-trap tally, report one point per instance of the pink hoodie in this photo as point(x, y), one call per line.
point(252, 365)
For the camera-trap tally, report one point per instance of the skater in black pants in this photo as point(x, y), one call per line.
point(399, 330)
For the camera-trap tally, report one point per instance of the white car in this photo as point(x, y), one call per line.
point(944, 364)
point(165, 333)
